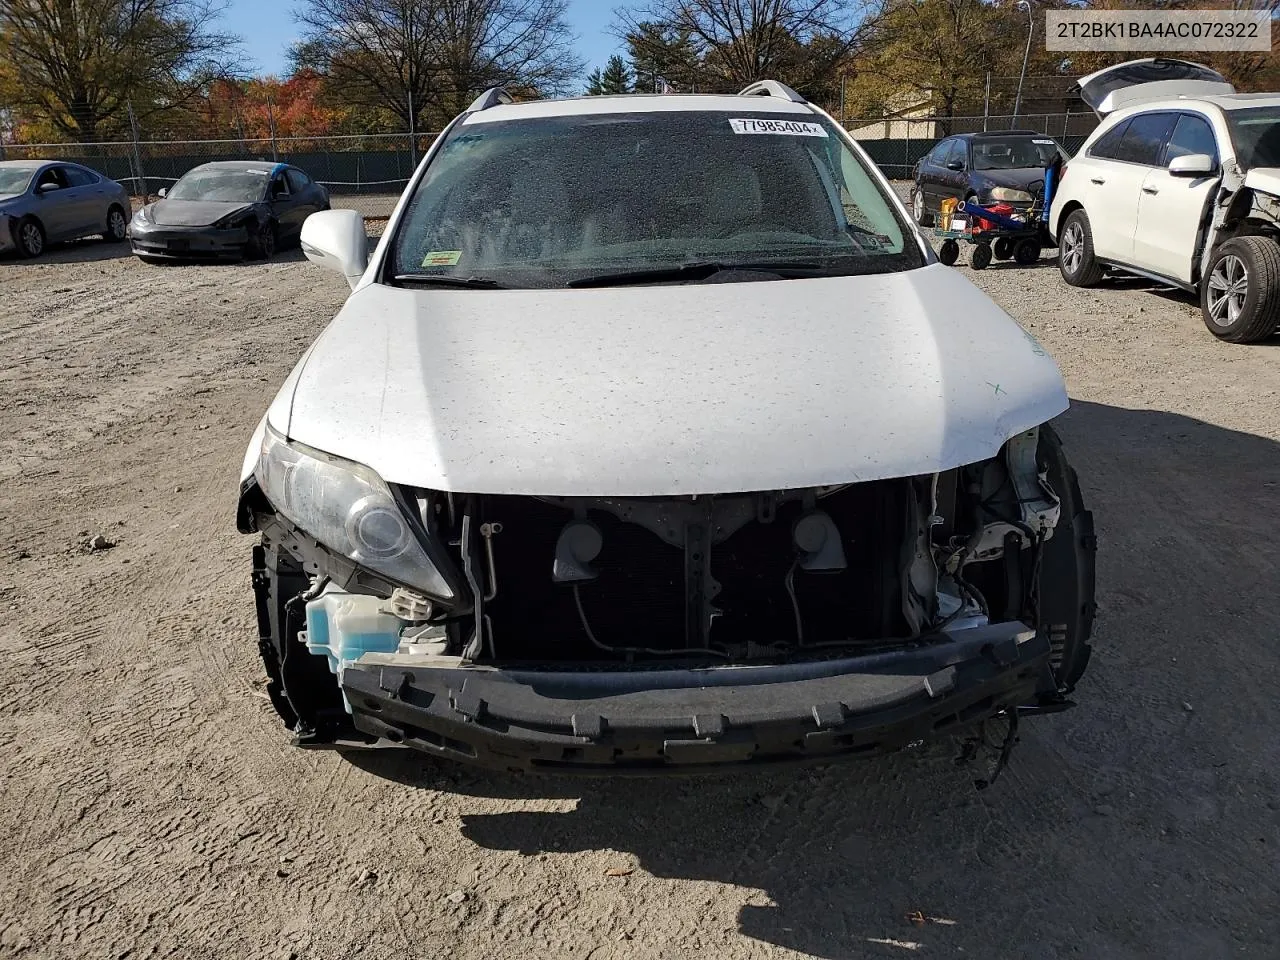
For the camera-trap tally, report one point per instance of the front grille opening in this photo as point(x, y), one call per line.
point(639, 600)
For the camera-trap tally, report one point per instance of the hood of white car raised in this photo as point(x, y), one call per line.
point(671, 390)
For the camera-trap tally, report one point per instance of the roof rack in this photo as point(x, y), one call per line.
point(493, 97)
point(771, 88)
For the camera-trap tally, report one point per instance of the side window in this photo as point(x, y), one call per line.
point(79, 178)
point(298, 181)
point(1108, 145)
point(279, 185)
point(52, 177)
point(1191, 134)
point(938, 155)
point(1145, 139)
point(959, 152)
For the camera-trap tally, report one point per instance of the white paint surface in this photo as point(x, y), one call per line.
point(667, 390)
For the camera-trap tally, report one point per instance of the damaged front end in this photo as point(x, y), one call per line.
point(674, 633)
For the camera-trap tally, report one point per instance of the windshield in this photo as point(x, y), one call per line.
point(545, 202)
point(1013, 153)
point(14, 180)
point(1255, 133)
point(241, 186)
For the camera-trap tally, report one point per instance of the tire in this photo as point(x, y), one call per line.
point(1240, 295)
point(1066, 585)
point(262, 245)
point(117, 225)
point(922, 217)
point(29, 236)
point(949, 252)
point(1003, 248)
point(981, 258)
point(1076, 261)
point(1026, 252)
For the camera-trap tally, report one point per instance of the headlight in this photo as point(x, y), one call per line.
point(142, 216)
point(232, 220)
point(1010, 194)
point(348, 508)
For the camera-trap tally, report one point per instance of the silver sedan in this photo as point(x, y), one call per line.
point(44, 201)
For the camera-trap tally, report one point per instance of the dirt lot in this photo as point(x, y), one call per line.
point(150, 806)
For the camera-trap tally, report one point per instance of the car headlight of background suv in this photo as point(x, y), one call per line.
point(348, 508)
point(1010, 195)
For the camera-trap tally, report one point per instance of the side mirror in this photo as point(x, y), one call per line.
point(336, 240)
point(162, 192)
point(954, 165)
point(46, 188)
point(1192, 165)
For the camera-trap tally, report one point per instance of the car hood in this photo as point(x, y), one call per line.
point(671, 390)
point(1264, 180)
point(1020, 178)
point(193, 213)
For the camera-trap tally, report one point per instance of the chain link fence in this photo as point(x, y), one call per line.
point(369, 172)
point(365, 172)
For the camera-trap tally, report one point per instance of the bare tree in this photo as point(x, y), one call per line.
point(739, 41)
point(77, 65)
point(424, 59)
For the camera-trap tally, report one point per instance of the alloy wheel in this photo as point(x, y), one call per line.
point(1072, 248)
point(917, 206)
point(116, 225)
point(1228, 287)
point(32, 239)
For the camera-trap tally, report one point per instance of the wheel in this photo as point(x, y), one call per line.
point(1240, 296)
point(917, 208)
point(1027, 252)
point(262, 244)
point(949, 253)
point(1079, 266)
point(1066, 583)
point(1003, 248)
point(29, 236)
point(117, 225)
point(981, 258)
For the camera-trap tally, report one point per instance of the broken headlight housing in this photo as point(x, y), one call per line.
point(349, 509)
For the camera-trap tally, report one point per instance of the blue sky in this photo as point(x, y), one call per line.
point(268, 29)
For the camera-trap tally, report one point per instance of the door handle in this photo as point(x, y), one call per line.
point(1151, 190)
point(1098, 180)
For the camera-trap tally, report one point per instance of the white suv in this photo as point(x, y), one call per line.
point(1179, 184)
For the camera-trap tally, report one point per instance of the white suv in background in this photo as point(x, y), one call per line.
point(1180, 183)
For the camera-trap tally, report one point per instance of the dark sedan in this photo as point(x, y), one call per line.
point(999, 167)
point(230, 209)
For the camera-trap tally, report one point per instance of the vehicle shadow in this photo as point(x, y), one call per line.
point(74, 251)
point(1142, 823)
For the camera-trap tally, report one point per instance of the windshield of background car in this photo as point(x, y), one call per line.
point(546, 201)
point(241, 186)
point(1255, 132)
point(1014, 153)
point(14, 180)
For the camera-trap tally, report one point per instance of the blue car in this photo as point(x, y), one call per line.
point(44, 201)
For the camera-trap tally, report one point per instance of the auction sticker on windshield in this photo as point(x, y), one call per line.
point(794, 128)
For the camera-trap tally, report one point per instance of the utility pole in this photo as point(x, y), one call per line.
point(410, 55)
point(271, 127)
point(986, 103)
point(137, 154)
point(1031, 26)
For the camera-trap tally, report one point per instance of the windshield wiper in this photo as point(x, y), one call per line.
point(443, 280)
point(700, 270)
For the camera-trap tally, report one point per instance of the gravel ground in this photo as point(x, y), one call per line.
point(150, 805)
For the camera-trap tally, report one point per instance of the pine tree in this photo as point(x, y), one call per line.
point(615, 78)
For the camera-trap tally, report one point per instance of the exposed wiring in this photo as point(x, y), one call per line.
point(586, 627)
point(795, 604)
